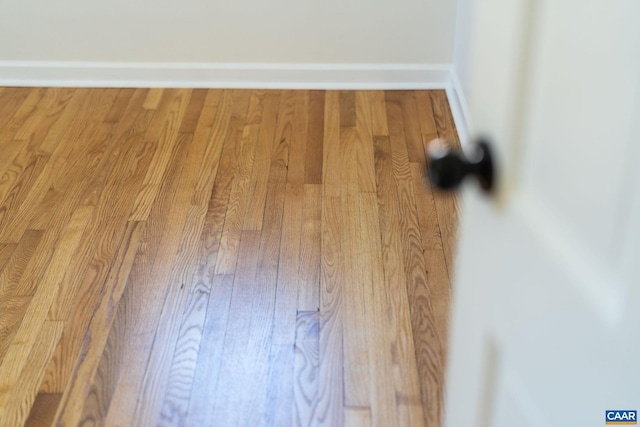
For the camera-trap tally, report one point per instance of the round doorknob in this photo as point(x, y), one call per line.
point(448, 169)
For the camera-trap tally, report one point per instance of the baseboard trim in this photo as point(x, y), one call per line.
point(225, 75)
point(459, 107)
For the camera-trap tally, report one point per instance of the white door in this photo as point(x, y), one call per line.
point(546, 319)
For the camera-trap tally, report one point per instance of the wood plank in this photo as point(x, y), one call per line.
point(155, 173)
point(92, 133)
point(259, 336)
point(260, 174)
point(175, 404)
point(347, 108)
point(443, 119)
point(289, 257)
point(20, 179)
point(357, 417)
point(72, 119)
point(109, 369)
point(17, 263)
point(192, 113)
point(130, 124)
point(76, 392)
point(256, 107)
point(299, 135)
point(206, 290)
point(331, 380)
point(56, 221)
point(16, 173)
point(288, 266)
point(309, 271)
point(356, 358)
point(177, 325)
point(280, 386)
point(152, 101)
point(364, 148)
point(380, 338)
point(440, 300)
point(212, 127)
point(410, 412)
point(426, 206)
point(103, 236)
point(315, 137)
point(448, 211)
point(219, 196)
point(22, 115)
point(84, 280)
point(306, 368)
point(43, 410)
point(74, 187)
point(15, 407)
point(161, 358)
point(155, 289)
point(119, 105)
point(447, 204)
point(48, 111)
point(36, 314)
point(280, 380)
point(333, 308)
point(12, 310)
point(380, 126)
point(425, 338)
point(238, 200)
point(230, 404)
point(412, 128)
point(331, 155)
point(12, 100)
point(425, 112)
point(207, 370)
point(6, 250)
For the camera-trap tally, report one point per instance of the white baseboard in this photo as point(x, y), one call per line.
point(244, 75)
point(225, 75)
point(459, 107)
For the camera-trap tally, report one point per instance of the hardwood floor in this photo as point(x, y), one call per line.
point(222, 258)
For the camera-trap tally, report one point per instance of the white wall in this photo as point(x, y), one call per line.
point(460, 71)
point(462, 43)
point(393, 35)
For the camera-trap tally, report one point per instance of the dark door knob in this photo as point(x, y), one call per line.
point(448, 169)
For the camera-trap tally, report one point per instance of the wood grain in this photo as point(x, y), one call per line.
point(315, 136)
point(356, 358)
point(43, 409)
point(364, 142)
point(164, 361)
point(426, 337)
point(309, 270)
point(16, 264)
point(204, 389)
point(27, 335)
point(330, 401)
point(410, 412)
point(255, 211)
point(76, 392)
point(357, 417)
point(183, 257)
point(165, 141)
point(306, 368)
point(6, 250)
point(18, 402)
point(380, 339)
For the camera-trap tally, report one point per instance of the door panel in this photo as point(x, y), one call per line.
point(584, 90)
point(545, 320)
